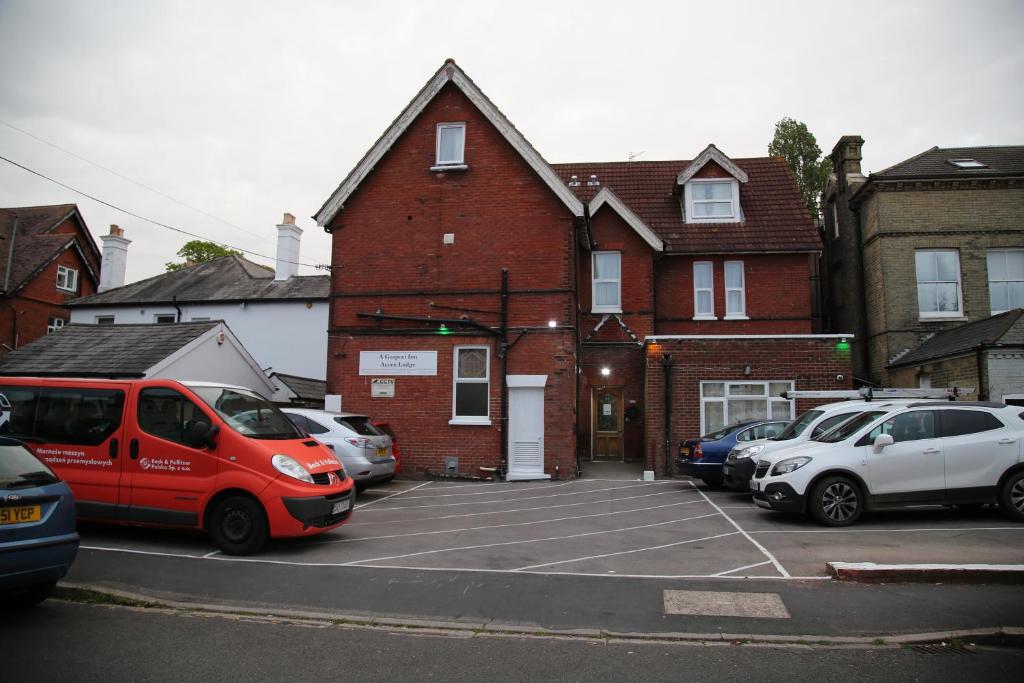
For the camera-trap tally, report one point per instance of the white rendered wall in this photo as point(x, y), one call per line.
point(287, 336)
point(211, 361)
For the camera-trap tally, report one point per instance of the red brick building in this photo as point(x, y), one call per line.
point(500, 310)
point(47, 258)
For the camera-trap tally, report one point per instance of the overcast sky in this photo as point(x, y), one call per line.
point(245, 110)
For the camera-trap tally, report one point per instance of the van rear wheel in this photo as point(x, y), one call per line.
point(1011, 497)
point(835, 501)
point(238, 526)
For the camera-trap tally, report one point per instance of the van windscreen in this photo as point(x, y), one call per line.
point(248, 413)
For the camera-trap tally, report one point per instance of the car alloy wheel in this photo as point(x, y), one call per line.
point(839, 501)
point(1017, 496)
point(1011, 496)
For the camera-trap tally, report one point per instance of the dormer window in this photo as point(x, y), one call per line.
point(711, 201)
point(451, 144)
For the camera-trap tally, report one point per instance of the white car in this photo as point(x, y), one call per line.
point(955, 453)
point(364, 450)
point(739, 465)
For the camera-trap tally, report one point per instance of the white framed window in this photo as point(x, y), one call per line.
point(200, 320)
point(104, 320)
point(725, 403)
point(164, 318)
point(835, 220)
point(471, 384)
point(703, 290)
point(939, 293)
point(735, 291)
point(1005, 279)
point(712, 200)
point(451, 144)
point(54, 324)
point(606, 282)
point(67, 279)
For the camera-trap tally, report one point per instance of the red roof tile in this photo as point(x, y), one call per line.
point(775, 217)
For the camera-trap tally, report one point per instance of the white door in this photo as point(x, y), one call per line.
point(525, 429)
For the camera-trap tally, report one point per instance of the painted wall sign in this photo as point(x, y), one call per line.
point(382, 388)
point(398, 362)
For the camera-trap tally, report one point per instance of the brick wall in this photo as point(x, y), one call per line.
point(810, 363)
point(952, 372)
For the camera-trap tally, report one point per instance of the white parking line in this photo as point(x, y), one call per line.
point(509, 489)
point(505, 500)
point(778, 565)
point(885, 531)
point(739, 569)
point(505, 512)
point(511, 524)
point(378, 500)
point(627, 552)
point(355, 563)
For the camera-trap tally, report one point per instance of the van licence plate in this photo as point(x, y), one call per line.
point(341, 506)
point(21, 514)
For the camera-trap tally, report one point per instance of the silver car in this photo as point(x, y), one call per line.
point(364, 450)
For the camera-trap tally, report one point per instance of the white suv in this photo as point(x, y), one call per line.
point(922, 453)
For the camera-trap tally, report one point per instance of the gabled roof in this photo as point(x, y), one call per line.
point(1005, 329)
point(606, 196)
point(999, 161)
point(101, 350)
point(35, 244)
point(226, 279)
point(304, 388)
point(775, 218)
point(448, 73)
point(711, 153)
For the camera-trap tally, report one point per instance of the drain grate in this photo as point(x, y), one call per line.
point(943, 650)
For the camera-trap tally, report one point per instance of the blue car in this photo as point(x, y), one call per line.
point(703, 458)
point(38, 540)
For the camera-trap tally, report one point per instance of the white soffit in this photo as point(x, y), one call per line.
point(606, 196)
point(711, 153)
point(449, 72)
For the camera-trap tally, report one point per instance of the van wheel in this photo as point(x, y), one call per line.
point(238, 526)
point(1011, 497)
point(835, 501)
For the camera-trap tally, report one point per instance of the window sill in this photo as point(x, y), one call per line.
point(441, 168)
point(605, 311)
point(736, 317)
point(67, 291)
point(471, 421)
point(705, 317)
point(942, 319)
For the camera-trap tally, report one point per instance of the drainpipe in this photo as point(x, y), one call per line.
point(982, 393)
point(666, 365)
point(503, 354)
point(174, 302)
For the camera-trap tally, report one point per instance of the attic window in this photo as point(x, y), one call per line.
point(967, 163)
point(711, 201)
point(451, 144)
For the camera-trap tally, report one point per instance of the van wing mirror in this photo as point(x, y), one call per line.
point(881, 441)
point(200, 434)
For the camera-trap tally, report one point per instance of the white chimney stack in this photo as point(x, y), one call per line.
point(289, 236)
point(115, 259)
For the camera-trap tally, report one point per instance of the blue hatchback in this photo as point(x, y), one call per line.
point(703, 458)
point(38, 541)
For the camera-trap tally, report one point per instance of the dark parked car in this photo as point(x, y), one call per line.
point(38, 541)
point(703, 458)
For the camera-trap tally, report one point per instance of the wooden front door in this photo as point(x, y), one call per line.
point(607, 418)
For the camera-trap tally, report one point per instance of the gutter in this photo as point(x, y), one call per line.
point(874, 180)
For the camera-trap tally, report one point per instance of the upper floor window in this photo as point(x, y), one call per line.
point(471, 385)
point(164, 318)
point(1005, 279)
point(703, 290)
point(735, 290)
point(939, 293)
point(451, 144)
point(709, 201)
point(607, 282)
point(104, 320)
point(835, 220)
point(54, 324)
point(67, 279)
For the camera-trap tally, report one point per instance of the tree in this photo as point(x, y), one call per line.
point(794, 143)
point(199, 251)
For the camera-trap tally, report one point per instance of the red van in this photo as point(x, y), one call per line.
point(185, 454)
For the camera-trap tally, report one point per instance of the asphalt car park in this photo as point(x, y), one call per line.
point(602, 527)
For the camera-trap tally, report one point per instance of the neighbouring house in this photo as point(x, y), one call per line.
point(47, 258)
point(280, 316)
point(201, 351)
point(921, 247)
point(298, 391)
point(987, 354)
point(536, 316)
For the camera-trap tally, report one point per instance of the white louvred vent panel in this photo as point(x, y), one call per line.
point(527, 453)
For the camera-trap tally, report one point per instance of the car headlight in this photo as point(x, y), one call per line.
point(745, 453)
point(290, 466)
point(789, 465)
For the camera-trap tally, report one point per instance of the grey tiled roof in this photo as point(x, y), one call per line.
point(229, 278)
point(304, 388)
point(934, 163)
point(101, 350)
point(35, 244)
point(1005, 329)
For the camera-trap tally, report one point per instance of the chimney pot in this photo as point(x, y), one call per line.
point(288, 219)
point(116, 231)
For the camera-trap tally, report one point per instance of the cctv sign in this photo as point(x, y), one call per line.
point(382, 388)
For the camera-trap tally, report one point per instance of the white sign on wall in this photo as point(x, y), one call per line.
point(398, 362)
point(382, 388)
